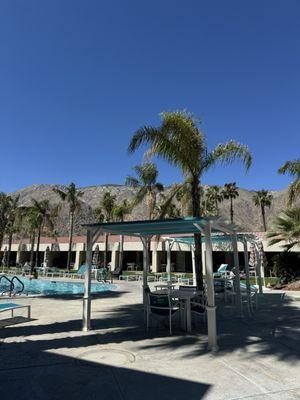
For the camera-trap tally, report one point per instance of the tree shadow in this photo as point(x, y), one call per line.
point(274, 329)
point(64, 377)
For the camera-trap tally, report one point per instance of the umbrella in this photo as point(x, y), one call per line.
point(253, 257)
point(47, 257)
point(96, 256)
point(262, 254)
point(4, 257)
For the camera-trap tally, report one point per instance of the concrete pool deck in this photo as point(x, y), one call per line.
point(49, 357)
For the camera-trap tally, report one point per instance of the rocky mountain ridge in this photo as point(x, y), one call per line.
point(247, 216)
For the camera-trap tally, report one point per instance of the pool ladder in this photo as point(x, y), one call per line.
point(11, 291)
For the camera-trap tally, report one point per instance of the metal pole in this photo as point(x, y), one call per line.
point(237, 287)
point(193, 266)
point(86, 319)
point(211, 308)
point(248, 287)
point(145, 242)
point(169, 261)
point(258, 268)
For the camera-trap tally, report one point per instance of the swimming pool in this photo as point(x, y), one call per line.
point(52, 287)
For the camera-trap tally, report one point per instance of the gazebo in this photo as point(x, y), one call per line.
point(145, 230)
point(217, 238)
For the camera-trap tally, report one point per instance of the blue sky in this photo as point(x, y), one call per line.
point(77, 79)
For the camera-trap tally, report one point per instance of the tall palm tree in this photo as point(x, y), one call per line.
point(147, 185)
point(105, 213)
point(286, 228)
point(230, 192)
point(5, 202)
point(120, 212)
point(71, 195)
point(263, 199)
point(214, 193)
point(292, 168)
point(42, 214)
point(14, 217)
point(180, 141)
point(30, 227)
point(184, 197)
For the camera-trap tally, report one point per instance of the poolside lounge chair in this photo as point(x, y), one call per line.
point(12, 306)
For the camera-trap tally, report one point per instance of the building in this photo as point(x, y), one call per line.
point(181, 257)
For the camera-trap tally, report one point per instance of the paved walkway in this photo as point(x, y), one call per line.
point(50, 358)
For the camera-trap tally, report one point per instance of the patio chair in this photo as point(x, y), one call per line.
point(198, 306)
point(161, 305)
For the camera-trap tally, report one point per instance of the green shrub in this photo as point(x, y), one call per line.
point(286, 266)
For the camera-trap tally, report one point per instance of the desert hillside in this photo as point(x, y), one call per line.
point(247, 216)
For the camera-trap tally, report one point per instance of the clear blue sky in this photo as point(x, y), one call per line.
point(77, 78)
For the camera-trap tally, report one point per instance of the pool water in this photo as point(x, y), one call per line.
point(48, 287)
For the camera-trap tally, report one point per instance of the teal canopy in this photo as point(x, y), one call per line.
point(162, 227)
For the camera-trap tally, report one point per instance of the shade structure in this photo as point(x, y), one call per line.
point(148, 228)
point(145, 230)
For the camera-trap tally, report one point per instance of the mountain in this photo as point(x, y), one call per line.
point(247, 216)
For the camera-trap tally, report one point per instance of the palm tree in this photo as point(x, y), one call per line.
point(71, 195)
point(30, 227)
point(166, 208)
point(292, 168)
point(105, 213)
point(263, 199)
point(5, 202)
point(147, 185)
point(14, 216)
point(180, 141)
point(120, 211)
point(184, 197)
point(42, 215)
point(215, 195)
point(286, 228)
point(230, 192)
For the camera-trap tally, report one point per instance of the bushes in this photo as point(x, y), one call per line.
point(286, 266)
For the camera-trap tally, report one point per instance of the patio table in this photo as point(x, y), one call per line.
point(163, 286)
point(184, 296)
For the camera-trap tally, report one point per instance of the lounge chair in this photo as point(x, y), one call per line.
point(12, 306)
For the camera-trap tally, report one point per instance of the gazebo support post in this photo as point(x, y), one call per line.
point(248, 287)
point(145, 241)
point(258, 268)
point(211, 308)
point(237, 287)
point(86, 318)
point(169, 261)
point(193, 266)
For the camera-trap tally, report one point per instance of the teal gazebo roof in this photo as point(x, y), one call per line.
point(149, 228)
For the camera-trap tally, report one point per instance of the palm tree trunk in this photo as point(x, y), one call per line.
point(10, 236)
point(32, 250)
point(263, 217)
point(38, 247)
point(1, 240)
point(196, 201)
point(217, 207)
point(70, 240)
point(231, 210)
